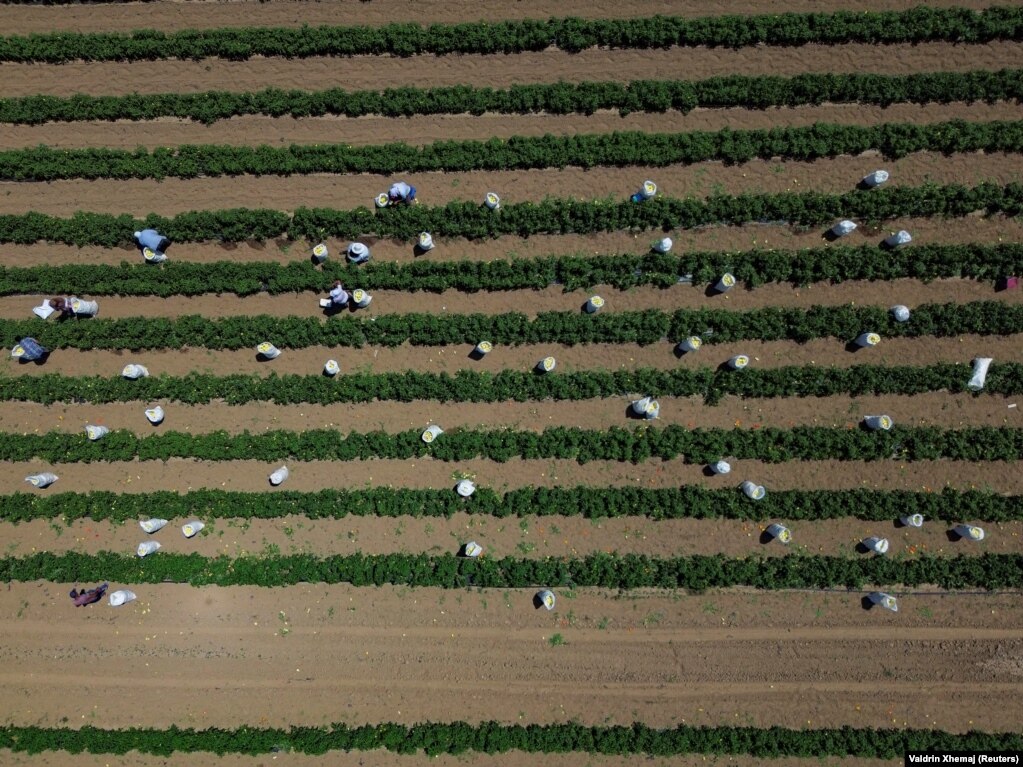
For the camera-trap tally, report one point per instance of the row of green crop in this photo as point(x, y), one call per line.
point(552, 216)
point(748, 91)
point(630, 571)
point(511, 385)
point(772, 445)
point(958, 25)
point(690, 502)
point(891, 140)
point(494, 738)
point(641, 327)
point(752, 267)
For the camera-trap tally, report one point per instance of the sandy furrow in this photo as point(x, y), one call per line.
point(498, 71)
point(310, 361)
point(551, 299)
point(225, 657)
point(172, 196)
point(252, 476)
point(253, 130)
point(172, 15)
point(529, 538)
point(713, 238)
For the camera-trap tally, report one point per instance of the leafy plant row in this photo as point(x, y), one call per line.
point(436, 738)
point(552, 216)
point(622, 271)
point(510, 385)
point(748, 91)
point(689, 502)
point(641, 327)
point(630, 571)
point(773, 445)
point(892, 140)
point(916, 25)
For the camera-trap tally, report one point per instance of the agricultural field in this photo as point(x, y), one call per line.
point(331, 619)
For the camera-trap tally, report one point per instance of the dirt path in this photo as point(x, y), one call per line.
point(256, 130)
point(108, 78)
point(173, 15)
point(226, 657)
point(172, 196)
point(251, 476)
point(714, 238)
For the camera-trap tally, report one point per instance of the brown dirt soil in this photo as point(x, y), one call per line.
point(232, 656)
point(109, 78)
point(173, 195)
point(988, 229)
point(174, 15)
point(252, 130)
point(251, 476)
point(530, 538)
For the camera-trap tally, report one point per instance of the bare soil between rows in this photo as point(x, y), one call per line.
point(252, 130)
point(172, 195)
point(497, 71)
point(228, 657)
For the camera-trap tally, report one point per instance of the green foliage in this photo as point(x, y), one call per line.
point(916, 25)
point(516, 153)
point(495, 738)
point(754, 267)
point(773, 445)
point(750, 92)
point(641, 327)
point(690, 502)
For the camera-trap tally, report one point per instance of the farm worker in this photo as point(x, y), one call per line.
point(84, 597)
point(152, 239)
point(62, 305)
point(358, 253)
point(338, 295)
point(401, 192)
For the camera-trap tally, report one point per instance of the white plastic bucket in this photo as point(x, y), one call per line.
point(483, 347)
point(595, 304)
point(864, 340)
point(780, 533)
point(152, 525)
point(876, 178)
point(897, 240)
point(84, 308)
point(721, 467)
point(753, 491)
point(147, 547)
point(877, 545)
point(382, 200)
point(492, 201)
point(96, 432)
point(465, 488)
point(912, 520)
point(738, 362)
point(134, 371)
point(726, 283)
point(320, 253)
point(361, 298)
point(663, 245)
point(268, 350)
point(690, 344)
point(190, 529)
point(900, 313)
point(152, 257)
point(970, 532)
point(648, 190)
point(121, 597)
point(546, 598)
point(878, 422)
point(647, 407)
point(42, 480)
point(887, 601)
point(431, 433)
point(546, 365)
point(279, 476)
point(331, 368)
point(425, 241)
point(473, 549)
point(155, 415)
point(980, 366)
point(842, 228)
